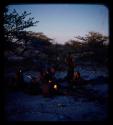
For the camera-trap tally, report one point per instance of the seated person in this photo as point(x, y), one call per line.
point(49, 86)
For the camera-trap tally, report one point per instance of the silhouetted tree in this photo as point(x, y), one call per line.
point(94, 42)
point(74, 43)
point(93, 39)
point(14, 26)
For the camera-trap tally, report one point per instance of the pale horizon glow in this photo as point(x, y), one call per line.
point(63, 22)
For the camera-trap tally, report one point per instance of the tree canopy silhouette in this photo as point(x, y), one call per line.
point(15, 25)
point(95, 42)
point(74, 43)
point(93, 39)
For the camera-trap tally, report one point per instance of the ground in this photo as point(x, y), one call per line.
point(88, 103)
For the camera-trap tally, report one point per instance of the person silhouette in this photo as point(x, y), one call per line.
point(71, 65)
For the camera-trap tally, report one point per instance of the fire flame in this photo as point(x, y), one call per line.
point(55, 86)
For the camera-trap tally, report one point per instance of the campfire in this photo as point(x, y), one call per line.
point(52, 83)
point(55, 87)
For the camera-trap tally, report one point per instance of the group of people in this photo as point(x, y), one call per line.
point(47, 80)
point(49, 85)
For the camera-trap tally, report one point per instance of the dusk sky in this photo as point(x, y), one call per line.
point(63, 22)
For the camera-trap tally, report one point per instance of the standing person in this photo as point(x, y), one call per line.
point(19, 78)
point(70, 63)
point(44, 86)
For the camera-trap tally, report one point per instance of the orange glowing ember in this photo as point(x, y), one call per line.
point(55, 86)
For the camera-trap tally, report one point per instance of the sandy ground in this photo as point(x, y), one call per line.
point(89, 104)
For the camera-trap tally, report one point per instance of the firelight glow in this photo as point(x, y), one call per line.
point(50, 81)
point(55, 86)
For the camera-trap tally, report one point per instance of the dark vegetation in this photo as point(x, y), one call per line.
point(26, 51)
point(36, 51)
